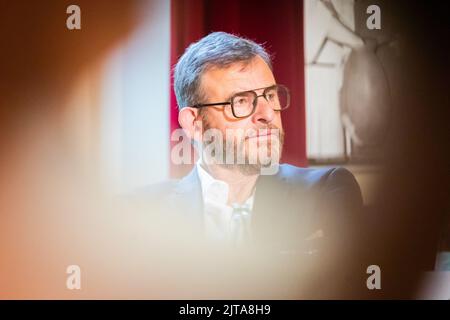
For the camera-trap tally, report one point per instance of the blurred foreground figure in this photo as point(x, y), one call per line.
point(287, 232)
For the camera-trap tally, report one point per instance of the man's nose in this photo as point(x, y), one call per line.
point(263, 111)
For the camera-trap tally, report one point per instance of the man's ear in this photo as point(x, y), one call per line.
point(188, 120)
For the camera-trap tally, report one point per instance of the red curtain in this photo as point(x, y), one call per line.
point(278, 25)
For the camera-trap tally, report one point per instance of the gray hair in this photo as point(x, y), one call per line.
point(216, 49)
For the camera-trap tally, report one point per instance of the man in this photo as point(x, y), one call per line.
point(234, 196)
point(237, 198)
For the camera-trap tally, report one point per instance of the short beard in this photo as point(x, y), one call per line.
point(246, 168)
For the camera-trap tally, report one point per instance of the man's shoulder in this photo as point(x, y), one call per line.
point(157, 189)
point(314, 176)
point(160, 190)
point(334, 186)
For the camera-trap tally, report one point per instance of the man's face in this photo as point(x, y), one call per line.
point(218, 85)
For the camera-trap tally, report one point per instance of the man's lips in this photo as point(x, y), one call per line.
point(262, 133)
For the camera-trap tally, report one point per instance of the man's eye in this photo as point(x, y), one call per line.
point(240, 100)
point(271, 95)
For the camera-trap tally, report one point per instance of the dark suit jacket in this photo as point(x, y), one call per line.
point(290, 207)
point(303, 220)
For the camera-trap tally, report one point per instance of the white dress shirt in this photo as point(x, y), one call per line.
point(217, 213)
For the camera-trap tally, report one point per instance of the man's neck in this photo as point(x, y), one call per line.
point(241, 186)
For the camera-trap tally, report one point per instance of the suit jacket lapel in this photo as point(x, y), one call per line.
point(188, 198)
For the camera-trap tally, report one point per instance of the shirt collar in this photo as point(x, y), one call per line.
point(214, 190)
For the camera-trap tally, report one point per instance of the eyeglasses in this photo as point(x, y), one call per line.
point(243, 104)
